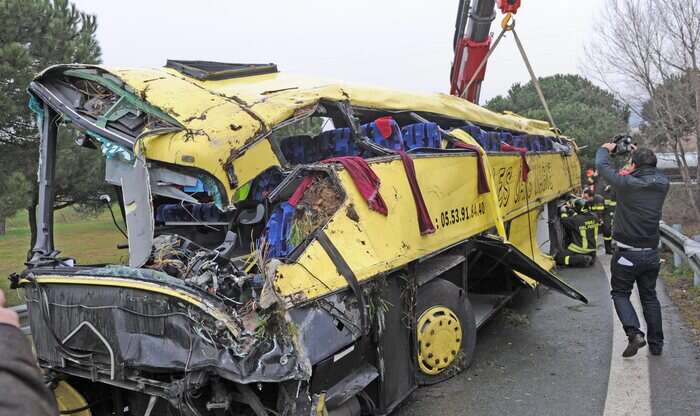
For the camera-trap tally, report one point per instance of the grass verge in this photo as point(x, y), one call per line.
point(679, 285)
point(87, 238)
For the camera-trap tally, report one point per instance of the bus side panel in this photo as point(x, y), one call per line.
point(397, 377)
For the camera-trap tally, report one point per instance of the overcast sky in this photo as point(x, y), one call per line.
point(404, 44)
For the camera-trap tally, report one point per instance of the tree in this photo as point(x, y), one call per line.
point(15, 191)
point(643, 50)
point(35, 34)
point(677, 94)
point(581, 110)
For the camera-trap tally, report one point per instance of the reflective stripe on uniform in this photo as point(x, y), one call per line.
point(584, 238)
point(580, 250)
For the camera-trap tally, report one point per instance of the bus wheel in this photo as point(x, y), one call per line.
point(445, 332)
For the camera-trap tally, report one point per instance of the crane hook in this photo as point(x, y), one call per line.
point(508, 22)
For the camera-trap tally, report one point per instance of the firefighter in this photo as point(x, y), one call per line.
point(591, 178)
point(597, 205)
point(608, 215)
point(583, 228)
point(580, 235)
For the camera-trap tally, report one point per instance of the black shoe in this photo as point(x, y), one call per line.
point(635, 343)
point(655, 349)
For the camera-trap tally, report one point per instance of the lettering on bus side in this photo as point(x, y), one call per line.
point(460, 215)
point(503, 176)
point(539, 181)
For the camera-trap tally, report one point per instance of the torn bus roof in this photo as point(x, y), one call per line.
point(211, 124)
point(262, 274)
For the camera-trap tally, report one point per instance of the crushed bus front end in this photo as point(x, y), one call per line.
point(294, 246)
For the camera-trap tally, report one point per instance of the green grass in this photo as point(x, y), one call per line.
point(87, 238)
point(679, 285)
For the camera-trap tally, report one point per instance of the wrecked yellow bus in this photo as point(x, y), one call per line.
point(295, 247)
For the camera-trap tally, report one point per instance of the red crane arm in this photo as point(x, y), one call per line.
point(472, 43)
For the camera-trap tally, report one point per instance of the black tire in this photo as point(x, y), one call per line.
point(440, 292)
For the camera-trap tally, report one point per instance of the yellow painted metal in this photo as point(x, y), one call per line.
point(377, 244)
point(439, 335)
point(227, 121)
point(140, 285)
point(523, 236)
point(118, 282)
point(224, 118)
point(68, 398)
point(492, 200)
point(321, 409)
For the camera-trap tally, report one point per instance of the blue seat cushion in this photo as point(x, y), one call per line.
point(421, 135)
point(547, 144)
point(521, 141)
point(493, 141)
point(506, 137)
point(393, 141)
point(337, 142)
point(278, 230)
point(265, 183)
point(294, 149)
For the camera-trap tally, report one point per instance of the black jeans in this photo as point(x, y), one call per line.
point(642, 267)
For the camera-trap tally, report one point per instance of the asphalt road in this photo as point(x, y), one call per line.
point(549, 355)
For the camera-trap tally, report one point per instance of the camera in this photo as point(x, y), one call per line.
point(623, 145)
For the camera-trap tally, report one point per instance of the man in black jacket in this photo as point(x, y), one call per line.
point(640, 198)
point(22, 388)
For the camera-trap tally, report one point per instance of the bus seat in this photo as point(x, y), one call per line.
point(547, 144)
point(265, 183)
point(522, 141)
point(193, 213)
point(421, 135)
point(294, 148)
point(277, 230)
point(506, 137)
point(336, 142)
point(493, 141)
point(477, 134)
point(385, 132)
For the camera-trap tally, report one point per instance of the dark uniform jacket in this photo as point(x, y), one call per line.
point(22, 388)
point(640, 198)
point(582, 232)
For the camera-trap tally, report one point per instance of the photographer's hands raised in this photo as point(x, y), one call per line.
point(610, 147)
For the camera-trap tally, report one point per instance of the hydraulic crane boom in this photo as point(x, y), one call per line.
point(472, 42)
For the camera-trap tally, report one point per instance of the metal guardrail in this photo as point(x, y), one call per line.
point(23, 318)
point(683, 247)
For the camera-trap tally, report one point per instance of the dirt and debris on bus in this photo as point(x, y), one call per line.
point(294, 246)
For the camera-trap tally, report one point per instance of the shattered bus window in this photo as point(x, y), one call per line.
point(290, 251)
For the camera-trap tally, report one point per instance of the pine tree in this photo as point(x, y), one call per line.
point(583, 111)
point(35, 34)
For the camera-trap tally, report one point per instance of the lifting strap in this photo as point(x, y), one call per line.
point(508, 25)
